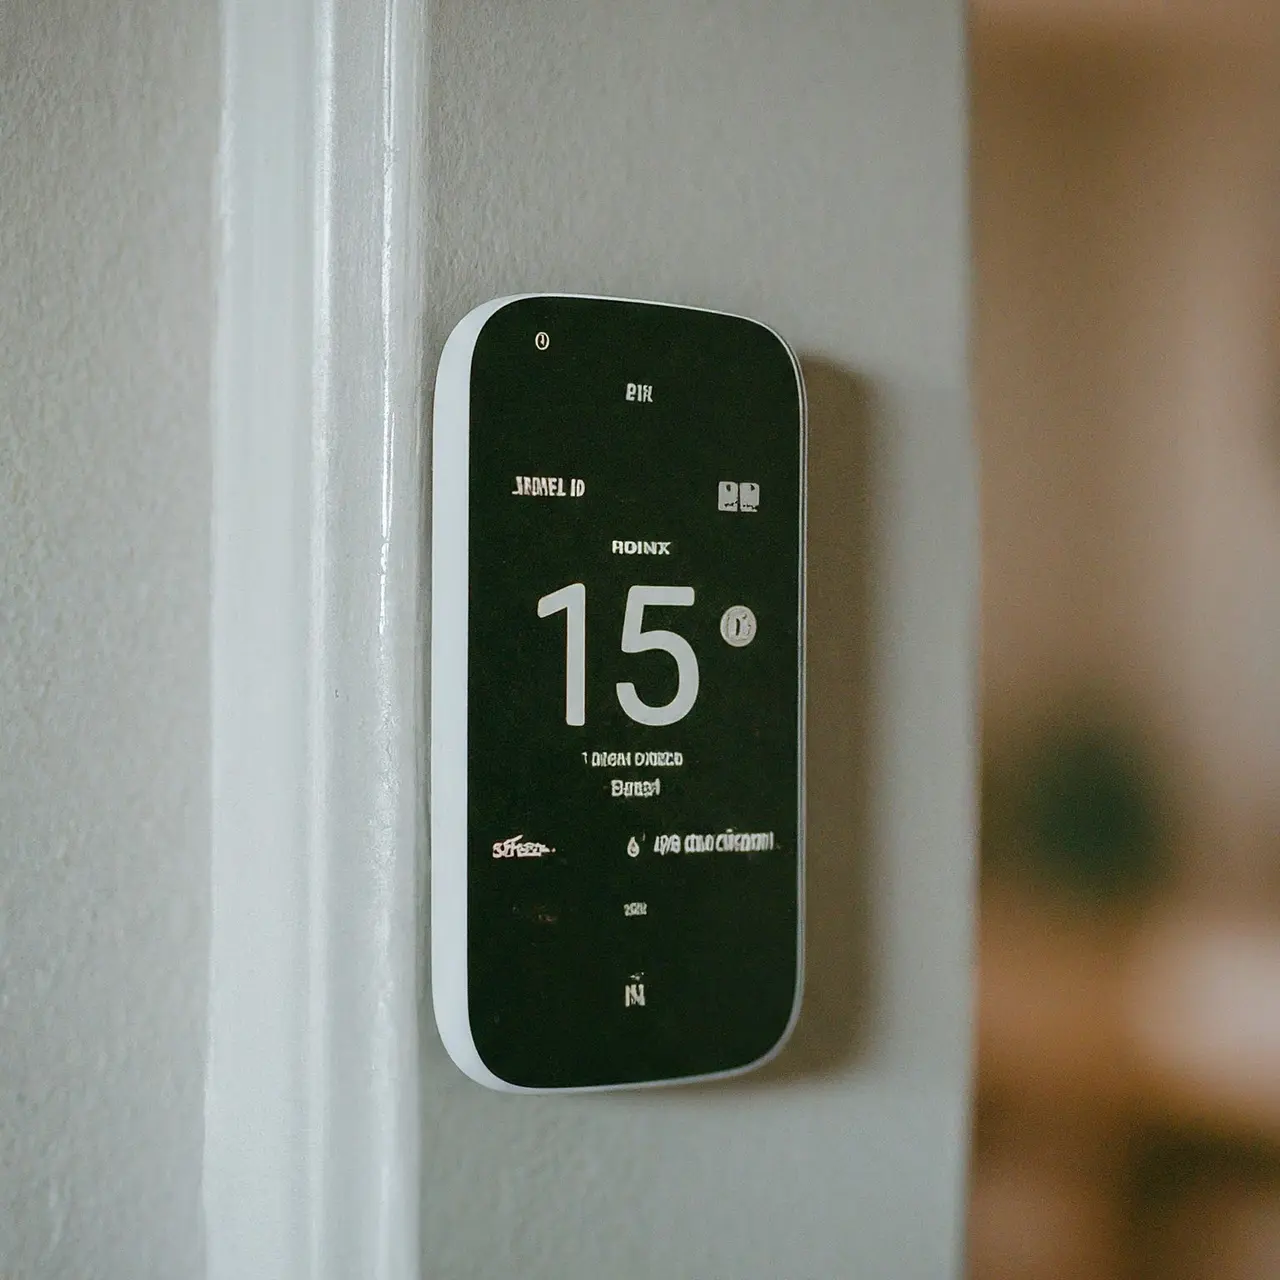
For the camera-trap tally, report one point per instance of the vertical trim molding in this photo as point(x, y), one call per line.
point(311, 1132)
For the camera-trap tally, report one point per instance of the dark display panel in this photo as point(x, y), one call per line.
point(633, 693)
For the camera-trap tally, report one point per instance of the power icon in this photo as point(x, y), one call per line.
point(542, 340)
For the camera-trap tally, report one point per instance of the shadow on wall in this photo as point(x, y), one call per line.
point(838, 1014)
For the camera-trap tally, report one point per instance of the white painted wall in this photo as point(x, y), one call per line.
point(803, 163)
point(108, 126)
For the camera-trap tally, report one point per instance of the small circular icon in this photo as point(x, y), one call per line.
point(738, 625)
point(633, 848)
point(542, 340)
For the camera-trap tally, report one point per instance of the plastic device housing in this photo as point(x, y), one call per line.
point(617, 694)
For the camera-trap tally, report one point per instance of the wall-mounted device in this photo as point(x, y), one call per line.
point(617, 694)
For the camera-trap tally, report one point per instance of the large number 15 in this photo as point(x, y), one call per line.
point(635, 639)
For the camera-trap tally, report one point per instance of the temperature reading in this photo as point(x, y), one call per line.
point(572, 600)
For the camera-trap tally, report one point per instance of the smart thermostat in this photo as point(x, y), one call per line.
point(617, 694)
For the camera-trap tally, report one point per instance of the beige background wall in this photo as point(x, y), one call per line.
point(1126, 312)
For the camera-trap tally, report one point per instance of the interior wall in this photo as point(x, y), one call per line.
point(108, 129)
point(804, 164)
point(1125, 220)
point(1125, 402)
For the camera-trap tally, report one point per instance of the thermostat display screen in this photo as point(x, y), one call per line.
point(633, 692)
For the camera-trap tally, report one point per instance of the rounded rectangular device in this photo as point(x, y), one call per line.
point(617, 694)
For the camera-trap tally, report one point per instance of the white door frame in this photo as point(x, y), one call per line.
point(311, 1134)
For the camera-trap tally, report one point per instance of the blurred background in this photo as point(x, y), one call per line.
point(1126, 223)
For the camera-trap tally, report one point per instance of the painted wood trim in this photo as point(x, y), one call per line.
point(311, 1145)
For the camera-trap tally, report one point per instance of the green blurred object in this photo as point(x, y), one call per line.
point(1088, 813)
